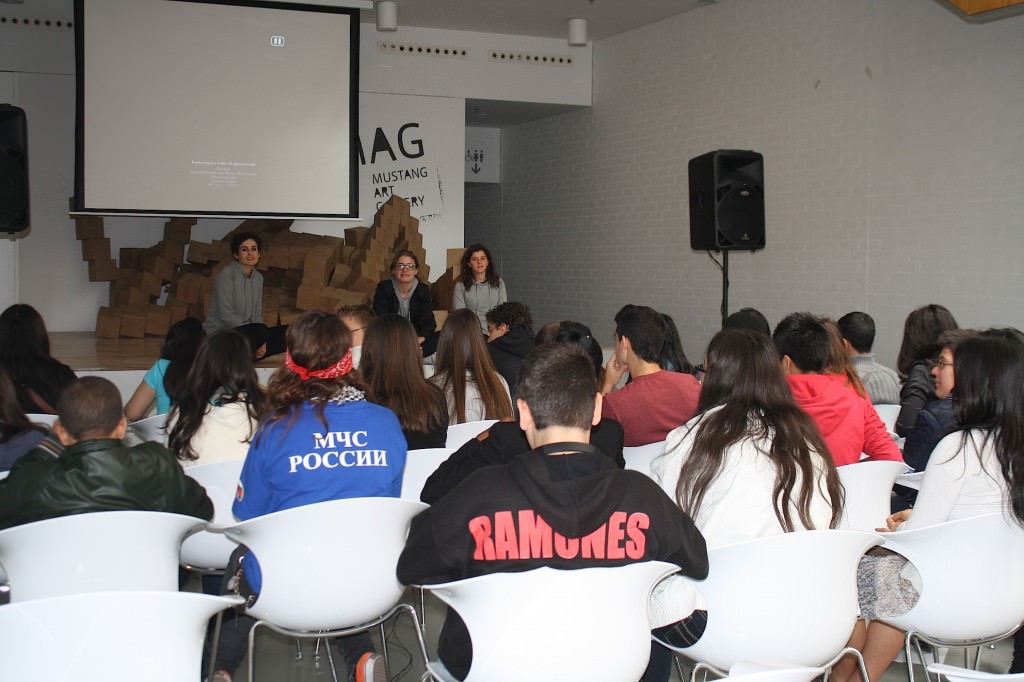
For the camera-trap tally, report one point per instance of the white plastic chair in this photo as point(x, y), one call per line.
point(748, 672)
point(106, 637)
point(419, 465)
point(548, 624)
point(315, 583)
point(954, 674)
point(888, 414)
point(40, 418)
point(95, 552)
point(781, 601)
point(868, 491)
point(204, 551)
point(640, 457)
point(150, 429)
point(460, 434)
point(971, 587)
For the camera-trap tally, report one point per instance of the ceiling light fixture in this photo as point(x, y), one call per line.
point(577, 32)
point(387, 16)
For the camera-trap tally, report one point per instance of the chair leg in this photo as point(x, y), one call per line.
point(214, 644)
point(330, 659)
point(384, 646)
point(252, 648)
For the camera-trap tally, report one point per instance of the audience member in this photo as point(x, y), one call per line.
point(564, 488)
point(163, 382)
point(881, 383)
point(25, 354)
point(655, 401)
point(220, 403)
point(404, 294)
point(918, 349)
point(748, 318)
point(509, 338)
point(305, 451)
point(18, 435)
point(356, 318)
point(463, 369)
point(847, 421)
point(393, 370)
point(974, 470)
point(938, 417)
point(839, 362)
point(237, 300)
point(96, 471)
point(505, 440)
point(479, 287)
point(673, 357)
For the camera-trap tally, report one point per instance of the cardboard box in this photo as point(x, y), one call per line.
point(178, 230)
point(158, 320)
point(178, 309)
point(270, 318)
point(356, 236)
point(288, 317)
point(200, 252)
point(102, 270)
point(146, 281)
point(362, 284)
point(108, 323)
point(307, 297)
point(131, 258)
point(90, 227)
point(134, 297)
point(96, 249)
point(397, 204)
point(342, 273)
point(133, 323)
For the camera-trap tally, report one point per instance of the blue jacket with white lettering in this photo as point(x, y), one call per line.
point(294, 463)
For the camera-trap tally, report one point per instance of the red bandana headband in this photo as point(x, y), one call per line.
point(338, 369)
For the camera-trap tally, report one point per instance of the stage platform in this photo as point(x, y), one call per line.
point(85, 353)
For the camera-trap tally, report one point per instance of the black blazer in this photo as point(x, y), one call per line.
point(421, 312)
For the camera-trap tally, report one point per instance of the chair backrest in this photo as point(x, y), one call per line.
point(328, 565)
point(971, 586)
point(954, 674)
point(868, 491)
point(749, 672)
point(888, 414)
point(781, 601)
point(95, 552)
point(419, 464)
point(41, 418)
point(150, 428)
point(206, 550)
point(640, 457)
point(460, 434)
point(585, 624)
point(107, 637)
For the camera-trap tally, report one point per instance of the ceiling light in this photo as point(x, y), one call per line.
point(387, 16)
point(577, 32)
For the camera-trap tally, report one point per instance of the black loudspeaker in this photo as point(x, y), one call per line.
point(727, 201)
point(13, 169)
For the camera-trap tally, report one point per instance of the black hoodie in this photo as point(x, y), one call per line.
point(507, 352)
point(565, 511)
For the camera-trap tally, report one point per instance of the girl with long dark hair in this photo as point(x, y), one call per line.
point(479, 287)
point(25, 353)
point(393, 370)
point(163, 382)
point(18, 435)
point(220, 404)
point(920, 346)
point(463, 369)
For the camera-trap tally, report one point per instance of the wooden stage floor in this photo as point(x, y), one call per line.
point(84, 351)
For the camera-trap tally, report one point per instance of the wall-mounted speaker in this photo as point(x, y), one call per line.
point(13, 169)
point(727, 201)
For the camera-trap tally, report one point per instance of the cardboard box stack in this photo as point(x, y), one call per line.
point(155, 287)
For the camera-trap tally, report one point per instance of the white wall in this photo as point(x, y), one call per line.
point(892, 143)
point(37, 73)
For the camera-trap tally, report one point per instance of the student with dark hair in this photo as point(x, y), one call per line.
point(974, 470)
point(463, 370)
point(393, 370)
point(918, 350)
point(847, 421)
point(25, 353)
point(18, 435)
point(479, 287)
point(654, 401)
point(748, 318)
point(563, 488)
point(163, 382)
point(509, 338)
point(858, 333)
point(237, 300)
point(220, 405)
point(357, 318)
point(96, 471)
point(307, 450)
point(673, 357)
point(404, 294)
point(505, 440)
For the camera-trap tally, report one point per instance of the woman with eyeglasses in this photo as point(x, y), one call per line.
point(404, 294)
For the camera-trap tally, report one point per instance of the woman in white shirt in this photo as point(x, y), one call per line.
point(974, 470)
point(221, 403)
point(464, 371)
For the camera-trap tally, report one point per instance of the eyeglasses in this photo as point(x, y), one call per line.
point(405, 266)
point(940, 363)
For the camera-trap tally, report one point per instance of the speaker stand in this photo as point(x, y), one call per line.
point(725, 285)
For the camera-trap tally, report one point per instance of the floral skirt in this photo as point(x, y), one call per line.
point(887, 584)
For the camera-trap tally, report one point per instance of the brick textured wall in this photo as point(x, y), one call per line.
point(892, 144)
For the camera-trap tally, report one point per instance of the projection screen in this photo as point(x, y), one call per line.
point(216, 108)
